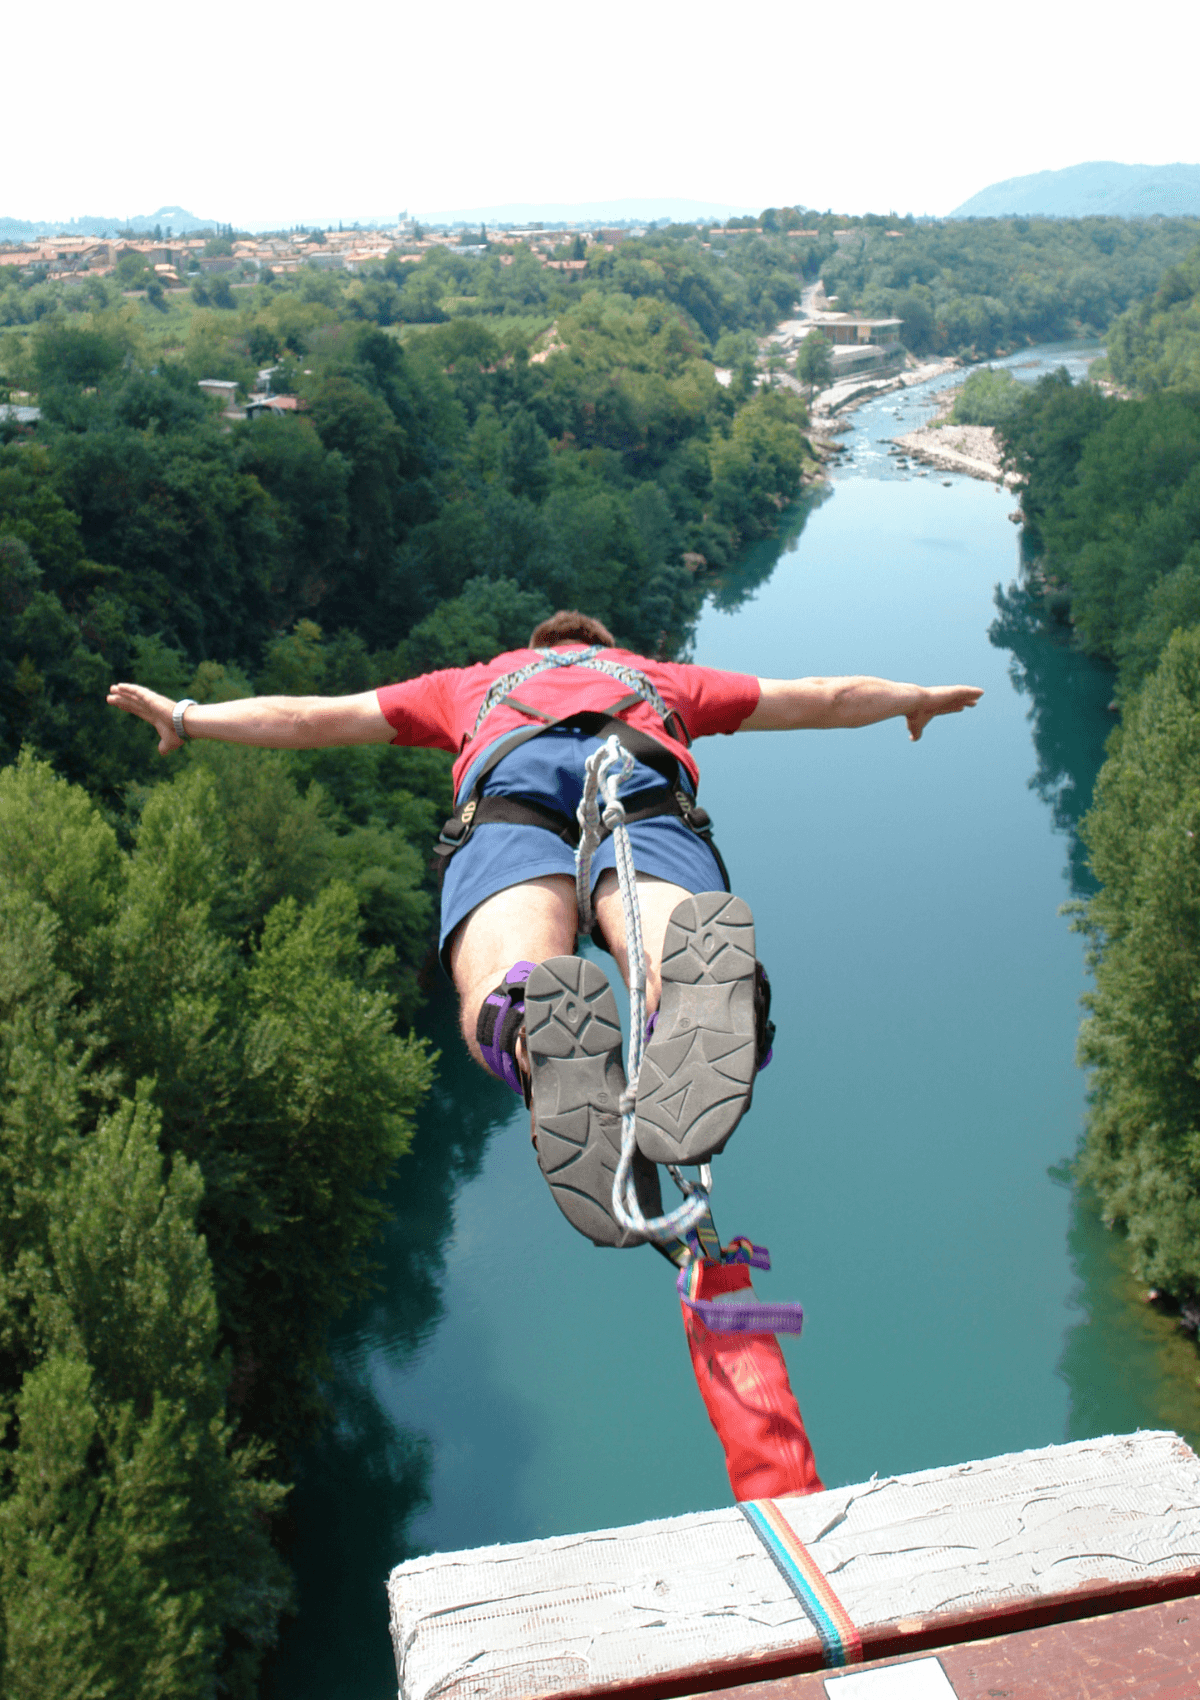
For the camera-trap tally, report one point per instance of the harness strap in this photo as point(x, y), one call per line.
point(531, 811)
point(652, 804)
point(595, 723)
point(548, 659)
point(524, 708)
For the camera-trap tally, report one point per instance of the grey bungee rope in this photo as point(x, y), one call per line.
point(606, 769)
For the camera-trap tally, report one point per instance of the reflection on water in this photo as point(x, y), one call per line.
point(1068, 693)
point(1126, 1366)
point(755, 565)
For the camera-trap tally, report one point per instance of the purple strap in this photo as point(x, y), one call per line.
point(728, 1315)
point(508, 1002)
point(725, 1317)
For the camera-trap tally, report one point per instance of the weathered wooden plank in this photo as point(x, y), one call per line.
point(913, 1559)
point(1150, 1651)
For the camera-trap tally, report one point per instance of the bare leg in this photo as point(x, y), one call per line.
point(527, 922)
point(658, 899)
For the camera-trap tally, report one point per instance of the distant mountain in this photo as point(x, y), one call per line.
point(643, 210)
point(180, 221)
point(1101, 187)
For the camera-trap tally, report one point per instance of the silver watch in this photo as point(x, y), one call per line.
point(177, 714)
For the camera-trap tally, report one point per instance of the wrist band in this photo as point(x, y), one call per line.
point(177, 714)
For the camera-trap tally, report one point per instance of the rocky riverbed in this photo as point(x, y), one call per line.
point(958, 448)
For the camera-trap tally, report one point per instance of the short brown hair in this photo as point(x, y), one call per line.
point(570, 625)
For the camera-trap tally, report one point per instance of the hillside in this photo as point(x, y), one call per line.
point(178, 218)
point(1101, 187)
point(646, 209)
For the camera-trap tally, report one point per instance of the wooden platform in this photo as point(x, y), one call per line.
point(1148, 1653)
point(694, 1604)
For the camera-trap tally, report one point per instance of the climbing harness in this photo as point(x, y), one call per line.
point(670, 798)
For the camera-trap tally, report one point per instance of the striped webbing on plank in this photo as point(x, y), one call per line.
point(840, 1640)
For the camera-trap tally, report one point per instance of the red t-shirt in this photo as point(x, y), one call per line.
point(438, 710)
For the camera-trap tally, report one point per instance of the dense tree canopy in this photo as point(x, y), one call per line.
point(984, 286)
point(1156, 345)
point(1112, 509)
point(201, 1089)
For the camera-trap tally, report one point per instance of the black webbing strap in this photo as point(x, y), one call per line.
point(669, 799)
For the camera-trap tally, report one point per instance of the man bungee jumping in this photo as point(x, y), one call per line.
point(533, 1013)
point(523, 727)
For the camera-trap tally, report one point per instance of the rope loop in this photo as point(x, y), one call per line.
point(605, 770)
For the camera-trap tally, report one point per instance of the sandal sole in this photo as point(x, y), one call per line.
point(573, 1033)
point(698, 1070)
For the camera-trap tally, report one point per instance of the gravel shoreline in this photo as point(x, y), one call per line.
point(972, 449)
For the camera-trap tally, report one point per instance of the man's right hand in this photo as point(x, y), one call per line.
point(147, 705)
point(941, 699)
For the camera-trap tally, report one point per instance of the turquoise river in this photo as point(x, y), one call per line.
point(904, 1158)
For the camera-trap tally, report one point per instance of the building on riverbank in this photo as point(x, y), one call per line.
point(858, 344)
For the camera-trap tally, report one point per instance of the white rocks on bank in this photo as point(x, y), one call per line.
point(972, 449)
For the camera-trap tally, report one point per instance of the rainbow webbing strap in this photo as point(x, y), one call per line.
point(840, 1641)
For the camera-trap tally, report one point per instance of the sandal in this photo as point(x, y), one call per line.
point(573, 1033)
point(698, 1069)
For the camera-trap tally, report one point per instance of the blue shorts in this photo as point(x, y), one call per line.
point(550, 768)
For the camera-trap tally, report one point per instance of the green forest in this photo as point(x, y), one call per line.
point(983, 287)
point(210, 968)
point(1111, 506)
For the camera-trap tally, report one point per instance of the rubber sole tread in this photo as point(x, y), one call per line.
point(573, 1033)
point(698, 1070)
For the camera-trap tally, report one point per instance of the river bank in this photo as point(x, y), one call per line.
point(973, 449)
point(829, 411)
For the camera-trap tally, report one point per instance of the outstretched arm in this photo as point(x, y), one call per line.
point(787, 705)
point(270, 723)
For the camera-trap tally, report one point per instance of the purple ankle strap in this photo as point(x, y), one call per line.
point(500, 1019)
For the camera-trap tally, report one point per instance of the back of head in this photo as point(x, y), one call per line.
point(570, 626)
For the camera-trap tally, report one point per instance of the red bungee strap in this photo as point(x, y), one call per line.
point(743, 1381)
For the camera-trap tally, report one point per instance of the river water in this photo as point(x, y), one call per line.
point(904, 1155)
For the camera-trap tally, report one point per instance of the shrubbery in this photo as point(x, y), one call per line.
point(989, 397)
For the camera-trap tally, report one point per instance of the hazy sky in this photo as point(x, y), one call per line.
point(249, 113)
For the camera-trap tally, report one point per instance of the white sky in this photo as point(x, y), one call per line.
point(252, 113)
